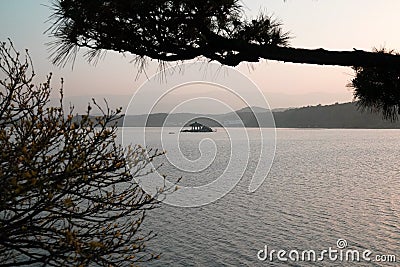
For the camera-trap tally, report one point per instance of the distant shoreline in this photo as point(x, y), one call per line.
point(336, 116)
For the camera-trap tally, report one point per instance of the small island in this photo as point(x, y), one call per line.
point(198, 128)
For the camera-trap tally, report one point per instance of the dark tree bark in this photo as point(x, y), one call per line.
point(326, 57)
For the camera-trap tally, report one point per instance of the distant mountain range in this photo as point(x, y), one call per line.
point(275, 100)
point(345, 115)
point(247, 117)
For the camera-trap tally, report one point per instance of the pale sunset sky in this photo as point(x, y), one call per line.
point(335, 25)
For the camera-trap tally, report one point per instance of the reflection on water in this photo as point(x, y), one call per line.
point(323, 185)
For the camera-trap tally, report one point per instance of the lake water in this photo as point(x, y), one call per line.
point(324, 185)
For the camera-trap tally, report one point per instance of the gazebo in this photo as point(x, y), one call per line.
point(196, 126)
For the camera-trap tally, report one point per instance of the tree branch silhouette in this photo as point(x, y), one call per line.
point(187, 29)
point(68, 195)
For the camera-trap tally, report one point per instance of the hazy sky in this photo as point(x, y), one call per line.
point(336, 25)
